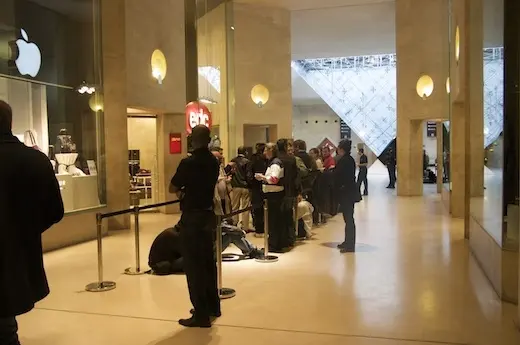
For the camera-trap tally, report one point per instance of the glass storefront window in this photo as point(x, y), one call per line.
point(50, 75)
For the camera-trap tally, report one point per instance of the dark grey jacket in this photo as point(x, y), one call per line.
point(30, 203)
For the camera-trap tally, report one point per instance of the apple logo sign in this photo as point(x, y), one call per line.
point(29, 58)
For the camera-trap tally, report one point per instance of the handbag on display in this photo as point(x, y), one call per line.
point(30, 139)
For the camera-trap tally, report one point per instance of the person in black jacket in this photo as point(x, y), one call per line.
point(292, 188)
point(30, 203)
point(348, 193)
point(257, 165)
point(240, 195)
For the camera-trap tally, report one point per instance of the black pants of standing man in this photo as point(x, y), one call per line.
point(8, 331)
point(362, 179)
point(350, 226)
point(257, 203)
point(197, 238)
point(391, 176)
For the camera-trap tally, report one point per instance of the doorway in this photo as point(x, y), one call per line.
point(143, 157)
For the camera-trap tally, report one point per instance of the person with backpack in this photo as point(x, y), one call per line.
point(240, 194)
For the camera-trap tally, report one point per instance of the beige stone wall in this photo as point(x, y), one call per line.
point(423, 49)
point(262, 55)
point(132, 30)
point(148, 27)
point(115, 104)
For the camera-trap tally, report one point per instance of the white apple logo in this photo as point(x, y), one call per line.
point(29, 58)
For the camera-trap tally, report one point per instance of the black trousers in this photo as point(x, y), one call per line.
point(257, 202)
point(362, 179)
point(391, 175)
point(197, 238)
point(8, 331)
point(350, 225)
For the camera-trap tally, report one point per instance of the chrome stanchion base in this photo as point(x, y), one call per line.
point(131, 271)
point(267, 259)
point(226, 293)
point(100, 287)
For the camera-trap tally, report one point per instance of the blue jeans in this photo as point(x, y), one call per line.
point(9, 331)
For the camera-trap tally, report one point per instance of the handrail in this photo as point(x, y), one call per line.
point(131, 209)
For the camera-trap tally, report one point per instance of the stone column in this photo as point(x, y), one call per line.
point(440, 156)
point(262, 55)
point(467, 119)
point(422, 48)
point(115, 120)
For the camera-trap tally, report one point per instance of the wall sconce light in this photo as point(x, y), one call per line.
point(96, 103)
point(448, 85)
point(457, 44)
point(425, 86)
point(159, 66)
point(260, 95)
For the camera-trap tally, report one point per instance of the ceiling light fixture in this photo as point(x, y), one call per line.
point(85, 88)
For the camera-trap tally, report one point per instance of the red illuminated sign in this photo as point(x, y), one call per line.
point(175, 143)
point(197, 114)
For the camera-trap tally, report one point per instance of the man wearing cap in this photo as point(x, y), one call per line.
point(194, 183)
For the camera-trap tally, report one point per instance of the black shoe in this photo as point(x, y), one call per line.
point(342, 245)
point(256, 254)
point(365, 194)
point(347, 250)
point(194, 322)
point(217, 314)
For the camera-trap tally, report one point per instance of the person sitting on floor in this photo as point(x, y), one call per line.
point(165, 254)
point(305, 221)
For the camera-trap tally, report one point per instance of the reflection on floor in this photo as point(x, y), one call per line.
point(412, 281)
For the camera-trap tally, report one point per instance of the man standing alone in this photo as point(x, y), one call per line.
point(363, 171)
point(348, 194)
point(30, 203)
point(240, 195)
point(194, 183)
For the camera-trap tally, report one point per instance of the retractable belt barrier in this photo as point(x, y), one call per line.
point(103, 285)
point(224, 293)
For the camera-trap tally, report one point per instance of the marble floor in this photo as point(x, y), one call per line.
point(411, 281)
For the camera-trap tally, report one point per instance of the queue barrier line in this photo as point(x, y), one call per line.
point(102, 285)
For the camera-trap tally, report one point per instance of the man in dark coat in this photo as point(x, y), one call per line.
point(292, 188)
point(30, 203)
point(348, 193)
point(257, 165)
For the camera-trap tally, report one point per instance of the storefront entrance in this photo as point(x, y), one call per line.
point(142, 157)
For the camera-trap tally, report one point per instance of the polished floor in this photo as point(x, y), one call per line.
point(411, 281)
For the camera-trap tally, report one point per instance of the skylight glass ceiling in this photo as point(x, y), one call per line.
point(362, 91)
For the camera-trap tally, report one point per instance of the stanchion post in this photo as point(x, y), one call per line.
point(100, 285)
point(134, 271)
point(224, 293)
point(266, 258)
point(295, 216)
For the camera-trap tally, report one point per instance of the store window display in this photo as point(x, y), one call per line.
point(48, 49)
